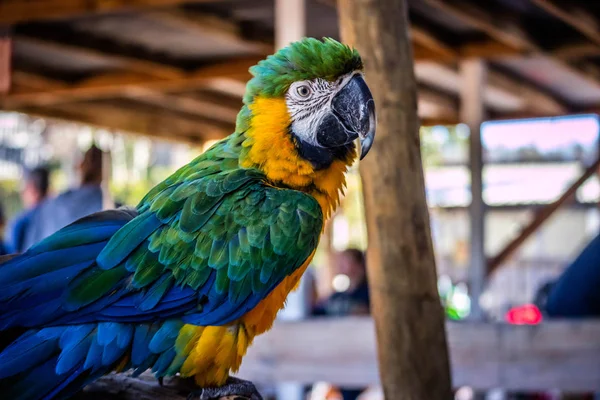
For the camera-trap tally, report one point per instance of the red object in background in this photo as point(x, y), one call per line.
point(528, 314)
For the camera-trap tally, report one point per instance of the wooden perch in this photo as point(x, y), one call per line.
point(144, 387)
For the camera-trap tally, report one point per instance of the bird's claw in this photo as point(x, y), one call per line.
point(234, 389)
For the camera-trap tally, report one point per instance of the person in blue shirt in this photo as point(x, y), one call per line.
point(33, 193)
point(58, 212)
point(576, 293)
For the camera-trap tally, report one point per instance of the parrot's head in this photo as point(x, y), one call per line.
point(314, 93)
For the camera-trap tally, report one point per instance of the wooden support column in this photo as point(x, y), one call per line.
point(5, 59)
point(406, 307)
point(472, 112)
point(290, 21)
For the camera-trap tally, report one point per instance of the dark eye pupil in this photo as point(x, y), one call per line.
point(303, 91)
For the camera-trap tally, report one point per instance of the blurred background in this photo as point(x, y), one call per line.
point(513, 82)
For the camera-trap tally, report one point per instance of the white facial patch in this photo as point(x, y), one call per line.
point(308, 102)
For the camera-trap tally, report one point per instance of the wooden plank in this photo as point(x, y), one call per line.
point(411, 344)
point(211, 26)
point(474, 77)
point(16, 11)
point(508, 32)
point(428, 40)
point(127, 62)
point(221, 108)
point(562, 355)
point(555, 355)
point(116, 84)
point(488, 50)
point(540, 217)
point(228, 86)
point(28, 81)
point(576, 51)
point(535, 101)
point(580, 20)
point(433, 105)
point(503, 30)
point(292, 352)
point(156, 124)
point(198, 106)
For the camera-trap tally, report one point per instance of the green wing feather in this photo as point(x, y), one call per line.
point(223, 232)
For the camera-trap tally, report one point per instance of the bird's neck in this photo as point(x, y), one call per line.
point(269, 147)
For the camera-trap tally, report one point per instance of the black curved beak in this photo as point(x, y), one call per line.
point(355, 107)
point(352, 117)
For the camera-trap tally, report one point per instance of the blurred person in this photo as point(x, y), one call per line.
point(351, 297)
point(56, 213)
point(33, 193)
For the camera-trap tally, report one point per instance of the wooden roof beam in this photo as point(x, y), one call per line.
point(507, 32)
point(433, 105)
point(534, 99)
point(580, 20)
point(156, 124)
point(210, 25)
point(429, 41)
point(503, 31)
point(200, 105)
point(17, 11)
point(127, 62)
point(576, 51)
point(118, 84)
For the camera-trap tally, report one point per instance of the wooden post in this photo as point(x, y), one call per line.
point(5, 59)
point(409, 318)
point(290, 21)
point(472, 111)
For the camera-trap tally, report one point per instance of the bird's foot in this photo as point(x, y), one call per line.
point(234, 389)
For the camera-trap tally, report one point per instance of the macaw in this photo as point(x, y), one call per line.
point(184, 282)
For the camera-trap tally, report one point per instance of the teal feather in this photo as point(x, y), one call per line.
point(93, 285)
point(219, 254)
point(222, 282)
point(155, 293)
point(163, 362)
point(164, 337)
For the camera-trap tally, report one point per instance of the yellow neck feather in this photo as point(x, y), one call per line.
point(269, 147)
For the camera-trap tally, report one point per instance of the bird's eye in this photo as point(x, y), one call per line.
point(303, 91)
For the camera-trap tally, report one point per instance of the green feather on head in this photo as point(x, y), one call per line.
point(308, 58)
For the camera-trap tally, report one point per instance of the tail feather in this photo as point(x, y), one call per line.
point(42, 382)
point(49, 363)
point(54, 363)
